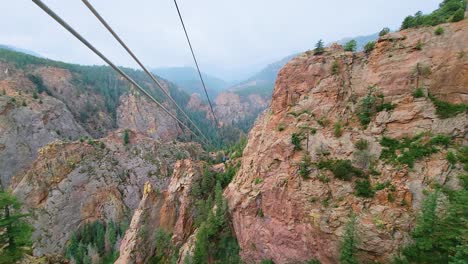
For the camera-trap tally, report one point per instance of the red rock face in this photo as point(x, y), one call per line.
point(169, 211)
point(279, 215)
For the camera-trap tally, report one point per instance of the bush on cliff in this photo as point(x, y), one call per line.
point(449, 10)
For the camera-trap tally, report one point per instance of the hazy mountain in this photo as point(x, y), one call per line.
point(263, 82)
point(187, 78)
point(29, 52)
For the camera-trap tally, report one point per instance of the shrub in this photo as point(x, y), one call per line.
point(126, 137)
point(281, 127)
point(296, 141)
point(35, 95)
point(348, 247)
point(439, 31)
point(304, 166)
point(341, 169)
point(411, 149)
point(24, 103)
point(335, 67)
point(319, 48)
point(418, 93)
point(364, 189)
point(350, 45)
point(380, 186)
point(361, 144)
point(369, 47)
point(459, 15)
point(419, 45)
point(362, 158)
point(446, 109)
point(337, 129)
point(451, 158)
point(447, 11)
point(384, 31)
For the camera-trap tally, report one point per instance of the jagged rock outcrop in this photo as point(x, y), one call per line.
point(279, 215)
point(72, 183)
point(28, 123)
point(169, 211)
point(138, 114)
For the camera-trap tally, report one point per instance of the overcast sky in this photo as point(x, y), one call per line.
point(232, 38)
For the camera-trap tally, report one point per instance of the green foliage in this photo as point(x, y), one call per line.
point(348, 247)
point(446, 12)
point(267, 261)
point(23, 103)
point(337, 129)
point(462, 157)
point(411, 149)
point(319, 48)
point(97, 236)
point(446, 109)
point(350, 45)
point(281, 127)
point(384, 31)
point(370, 105)
point(418, 93)
point(361, 144)
point(15, 231)
point(363, 188)
point(214, 239)
point(369, 47)
point(451, 158)
point(459, 15)
point(165, 251)
point(35, 96)
point(439, 31)
point(335, 67)
point(341, 169)
point(296, 141)
point(440, 232)
point(305, 166)
point(126, 137)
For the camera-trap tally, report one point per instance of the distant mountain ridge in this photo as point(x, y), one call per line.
point(187, 79)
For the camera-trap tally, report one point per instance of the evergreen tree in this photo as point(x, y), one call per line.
point(348, 246)
point(319, 48)
point(126, 137)
point(384, 31)
point(350, 45)
point(15, 232)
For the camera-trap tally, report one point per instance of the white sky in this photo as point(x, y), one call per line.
point(231, 38)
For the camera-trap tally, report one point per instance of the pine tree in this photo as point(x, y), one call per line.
point(15, 232)
point(348, 246)
point(126, 137)
point(350, 45)
point(319, 48)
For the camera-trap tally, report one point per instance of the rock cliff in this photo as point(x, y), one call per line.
point(287, 201)
point(73, 183)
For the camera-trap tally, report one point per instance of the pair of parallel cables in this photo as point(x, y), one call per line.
point(57, 18)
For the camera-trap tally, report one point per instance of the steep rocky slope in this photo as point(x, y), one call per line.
point(170, 211)
point(325, 104)
point(73, 183)
point(28, 123)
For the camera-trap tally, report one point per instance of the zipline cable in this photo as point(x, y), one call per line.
point(122, 43)
point(57, 18)
point(196, 63)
